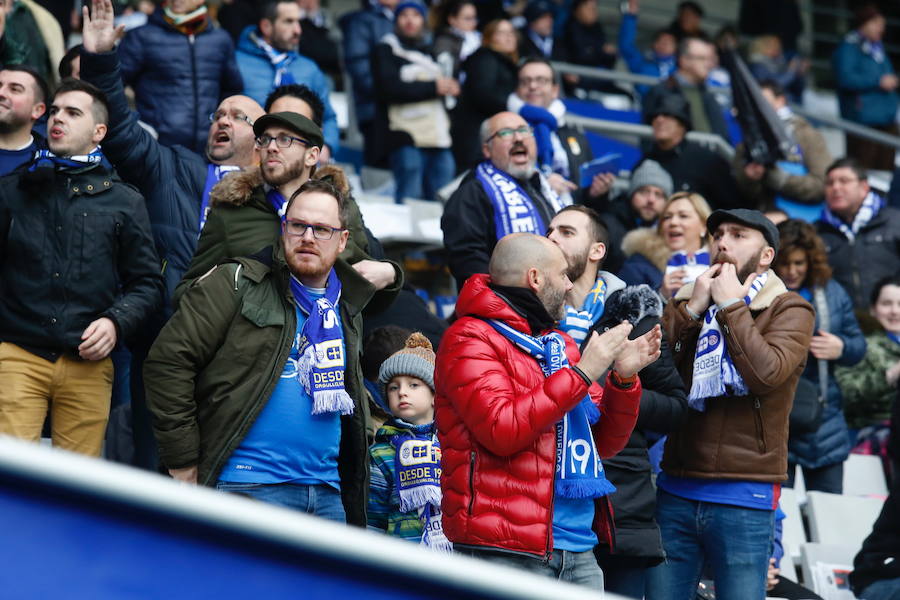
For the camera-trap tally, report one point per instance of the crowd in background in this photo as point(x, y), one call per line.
point(183, 152)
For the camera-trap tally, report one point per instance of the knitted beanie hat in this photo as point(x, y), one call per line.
point(415, 359)
point(650, 173)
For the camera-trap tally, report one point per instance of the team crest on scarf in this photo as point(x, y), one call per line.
point(418, 466)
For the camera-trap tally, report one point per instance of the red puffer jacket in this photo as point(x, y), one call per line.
point(496, 415)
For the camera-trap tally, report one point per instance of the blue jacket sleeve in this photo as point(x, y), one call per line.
point(358, 45)
point(628, 44)
point(850, 333)
point(849, 71)
point(130, 53)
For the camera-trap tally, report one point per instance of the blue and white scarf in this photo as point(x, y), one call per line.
point(875, 50)
point(577, 323)
point(320, 369)
point(214, 174)
point(278, 202)
point(693, 264)
point(44, 159)
point(871, 206)
point(418, 469)
point(514, 210)
point(280, 61)
point(579, 471)
point(714, 371)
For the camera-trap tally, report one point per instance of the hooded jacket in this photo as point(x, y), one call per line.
point(496, 415)
point(216, 362)
point(742, 437)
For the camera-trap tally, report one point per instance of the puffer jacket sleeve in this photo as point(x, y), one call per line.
point(232, 82)
point(848, 331)
point(481, 390)
point(767, 360)
point(619, 408)
point(185, 345)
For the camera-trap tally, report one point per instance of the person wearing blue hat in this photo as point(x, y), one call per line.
point(413, 127)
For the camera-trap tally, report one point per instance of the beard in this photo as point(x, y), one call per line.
point(554, 301)
point(577, 266)
point(743, 271)
point(12, 123)
point(291, 172)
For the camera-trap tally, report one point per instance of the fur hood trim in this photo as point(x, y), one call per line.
point(647, 242)
point(773, 288)
point(236, 188)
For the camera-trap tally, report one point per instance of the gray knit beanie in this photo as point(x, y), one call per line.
point(650, 173)
point(415, 359)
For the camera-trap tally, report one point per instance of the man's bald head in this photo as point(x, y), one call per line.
point(231, 140)
point(515, 254)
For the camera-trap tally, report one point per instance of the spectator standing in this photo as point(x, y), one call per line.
point(30, 35)
point(496, 62)
point(92, 278)
point(867, 87)
point(693, 167)
point(740, 341)
point(182, 56)
point(598, 301)
point(175, 183)
point(316, 41)
point(799, 180)
point(673, 253)
point(688, 21)
point(870, 387)
point(504, 194)
point(267, 58)
point(861, 234)
point(509, 392)
point(585, 43)
point(23, 100)
point(658, 61)
point(277, 345)
point(561, 148)
point(405, 461)
point(363, 30)
point(458, 33)
point(536, 38)
point(413, 126)
point(802, 265)
point(767, 62)
point(695, 59)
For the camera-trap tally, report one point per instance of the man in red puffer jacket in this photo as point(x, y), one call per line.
point(516, 411)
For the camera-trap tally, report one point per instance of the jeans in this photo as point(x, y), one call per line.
point(623, 575)
point(579, 568)
point(886, 589)
point(320, 500)
point(829, 478)
point(420, 172)
point(736, 542)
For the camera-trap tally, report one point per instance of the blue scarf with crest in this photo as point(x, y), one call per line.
point(514, 210)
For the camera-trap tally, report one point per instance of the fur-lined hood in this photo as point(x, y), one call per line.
point(236, 189)
point(773, 288)
point(646, 242)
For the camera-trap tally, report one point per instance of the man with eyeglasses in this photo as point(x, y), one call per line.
point(861, 233)
point(695, 58)
point(174, 181)
point(248, 207)
point(504, 194)
point(255, 383)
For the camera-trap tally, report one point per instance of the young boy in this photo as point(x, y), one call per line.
point(405, 486)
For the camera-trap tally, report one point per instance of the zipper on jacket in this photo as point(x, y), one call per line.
point(194, 129)
point(471, 481)
point(760, 430)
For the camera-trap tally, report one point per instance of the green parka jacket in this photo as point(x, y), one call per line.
point(217, 360)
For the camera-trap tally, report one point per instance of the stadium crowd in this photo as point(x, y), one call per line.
point(640, 358)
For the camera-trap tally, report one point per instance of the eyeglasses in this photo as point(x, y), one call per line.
point(840, 181)
point(527, 81)
point(213, 117)
point(297, 228)
point(282, 140)
point(507, 133)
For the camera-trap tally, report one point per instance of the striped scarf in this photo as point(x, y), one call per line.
point(44, 159)
point(577, 323)
point(871, 206)
point(280, 61)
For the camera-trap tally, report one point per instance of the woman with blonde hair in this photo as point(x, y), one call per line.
point(674, 252)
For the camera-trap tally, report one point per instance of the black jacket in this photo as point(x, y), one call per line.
point(698, 169)
point(468, 225)
point(490, 78)
point(663, 409)
point(875, 254)
point(879, 557)
point(74, 247)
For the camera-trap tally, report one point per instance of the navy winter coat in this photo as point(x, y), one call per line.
point(179, 79)
point(830, 443)
point(363, 30)
point(858, 77)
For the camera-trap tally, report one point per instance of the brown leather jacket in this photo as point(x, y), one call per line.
point(742, 437)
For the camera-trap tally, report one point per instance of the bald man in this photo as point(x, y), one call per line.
point(504, 194)
point(174, 181)
point(522, 422)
